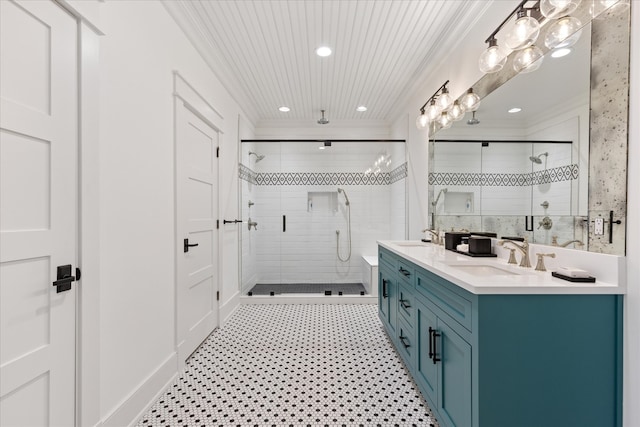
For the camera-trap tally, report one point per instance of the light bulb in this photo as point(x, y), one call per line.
point(444, 100)
point(445, 120)
point(470, 100)
point(528, 59)
point(456, 111)
point(552, 9)
point(422, 121)
point(565, 32)
point(493, 58)
point(524, 33)
point(433, 110)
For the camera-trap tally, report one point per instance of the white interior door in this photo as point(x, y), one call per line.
point(196, 211)
point(38, 211)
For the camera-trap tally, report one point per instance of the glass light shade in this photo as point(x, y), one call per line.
point(433, 110)
point(471, 101)
point(456, 112)
point(444, 100)
point(445, 120)
point(528, 59)
point(493, 59)
point(552, 9)
point(422, 121)
point(524, 32)
point(565, 32)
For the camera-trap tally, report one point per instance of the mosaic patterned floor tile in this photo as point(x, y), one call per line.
point(294, 365)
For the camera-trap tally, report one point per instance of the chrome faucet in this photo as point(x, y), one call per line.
point(252, 224)
point(554, 242)
point(435, 235)
point(524, 248)
point(540, 265)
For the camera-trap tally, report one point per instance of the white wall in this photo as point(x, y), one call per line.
point(141, 48)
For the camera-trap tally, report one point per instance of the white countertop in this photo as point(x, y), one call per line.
point(454, 267)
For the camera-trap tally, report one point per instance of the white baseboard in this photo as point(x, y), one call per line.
point(307, 299)
point(228, 308)
point(141, 399)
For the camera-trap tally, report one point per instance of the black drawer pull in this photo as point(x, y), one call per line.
point(404, 272)
point(404, 343)
point(403, 303)
point(384, 288)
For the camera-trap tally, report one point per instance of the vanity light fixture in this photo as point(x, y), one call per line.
point(470, 100)
point(565, 32)
point(284, 109)
point(445, 120)
point(323, 51)
point(435, 107)
point(528, 59)
point(444, 100)
point(493, 58)
point(524, 32)
point(457, 110)
point(552, 9)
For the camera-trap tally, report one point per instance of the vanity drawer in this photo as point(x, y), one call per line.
point(406, 303)
point(438, 291)
point(387, 259)
point(406, 272)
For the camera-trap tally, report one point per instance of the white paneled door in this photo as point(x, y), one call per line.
point(197, 237)
point(38, 213)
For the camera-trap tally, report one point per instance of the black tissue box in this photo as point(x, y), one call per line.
point(453, 238)
point(479, 245)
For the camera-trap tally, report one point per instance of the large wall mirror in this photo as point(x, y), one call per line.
point(554, 171)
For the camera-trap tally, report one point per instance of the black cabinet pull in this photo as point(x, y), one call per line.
point(403, 303)
point(406, 273)
point(430, 343)
point(284, 223)
point(187, 245)
point(435, 351)
point(402, 340)
point(384, 288)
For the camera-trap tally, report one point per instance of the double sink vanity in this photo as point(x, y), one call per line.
point(494, 344)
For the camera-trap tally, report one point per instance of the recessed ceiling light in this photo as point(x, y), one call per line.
point(515, 110)
point(361, 108)
point(284, 109)
point(559, 53)
point(323, 51)
point(322, 147)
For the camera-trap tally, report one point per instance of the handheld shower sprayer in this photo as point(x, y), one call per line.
point(340, 190)
point(258, 156)
point(435, 202)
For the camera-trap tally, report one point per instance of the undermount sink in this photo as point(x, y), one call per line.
point(484, 270)
point(411, 244)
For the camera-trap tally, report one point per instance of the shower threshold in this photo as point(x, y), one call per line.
point(308, 288)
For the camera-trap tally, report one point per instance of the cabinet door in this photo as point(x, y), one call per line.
point(426, 370)
point(454, 377)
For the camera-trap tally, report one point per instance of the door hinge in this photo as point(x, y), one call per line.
point(217, 295)
point(217, 151)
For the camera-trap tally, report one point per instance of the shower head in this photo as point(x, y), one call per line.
point(258, 156)
point(340, 190)
point(537, 159)
point(473, 120)
point(323, 120)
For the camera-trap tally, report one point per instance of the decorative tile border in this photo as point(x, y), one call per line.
point(562, 173)
point(322, 178)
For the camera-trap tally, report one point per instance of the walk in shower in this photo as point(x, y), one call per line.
point(319, 208)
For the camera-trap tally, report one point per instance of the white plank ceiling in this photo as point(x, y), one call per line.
point(263, 51)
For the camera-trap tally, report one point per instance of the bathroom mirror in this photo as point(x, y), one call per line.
point(581, 98)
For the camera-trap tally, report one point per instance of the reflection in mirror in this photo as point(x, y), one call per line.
point(586, 96)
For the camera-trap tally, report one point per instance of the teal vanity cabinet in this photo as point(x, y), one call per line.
point(512, 360)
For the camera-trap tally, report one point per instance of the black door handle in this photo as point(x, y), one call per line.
point(435, 352)
point(384, 289)
point(187, 245)
point(64, 278)
point(430, 343)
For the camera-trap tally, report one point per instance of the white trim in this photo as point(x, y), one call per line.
point(229, 307)
point(90, 22)
point(88, 312)
point(196, 102)
point(134, 406)
point(306, 299)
